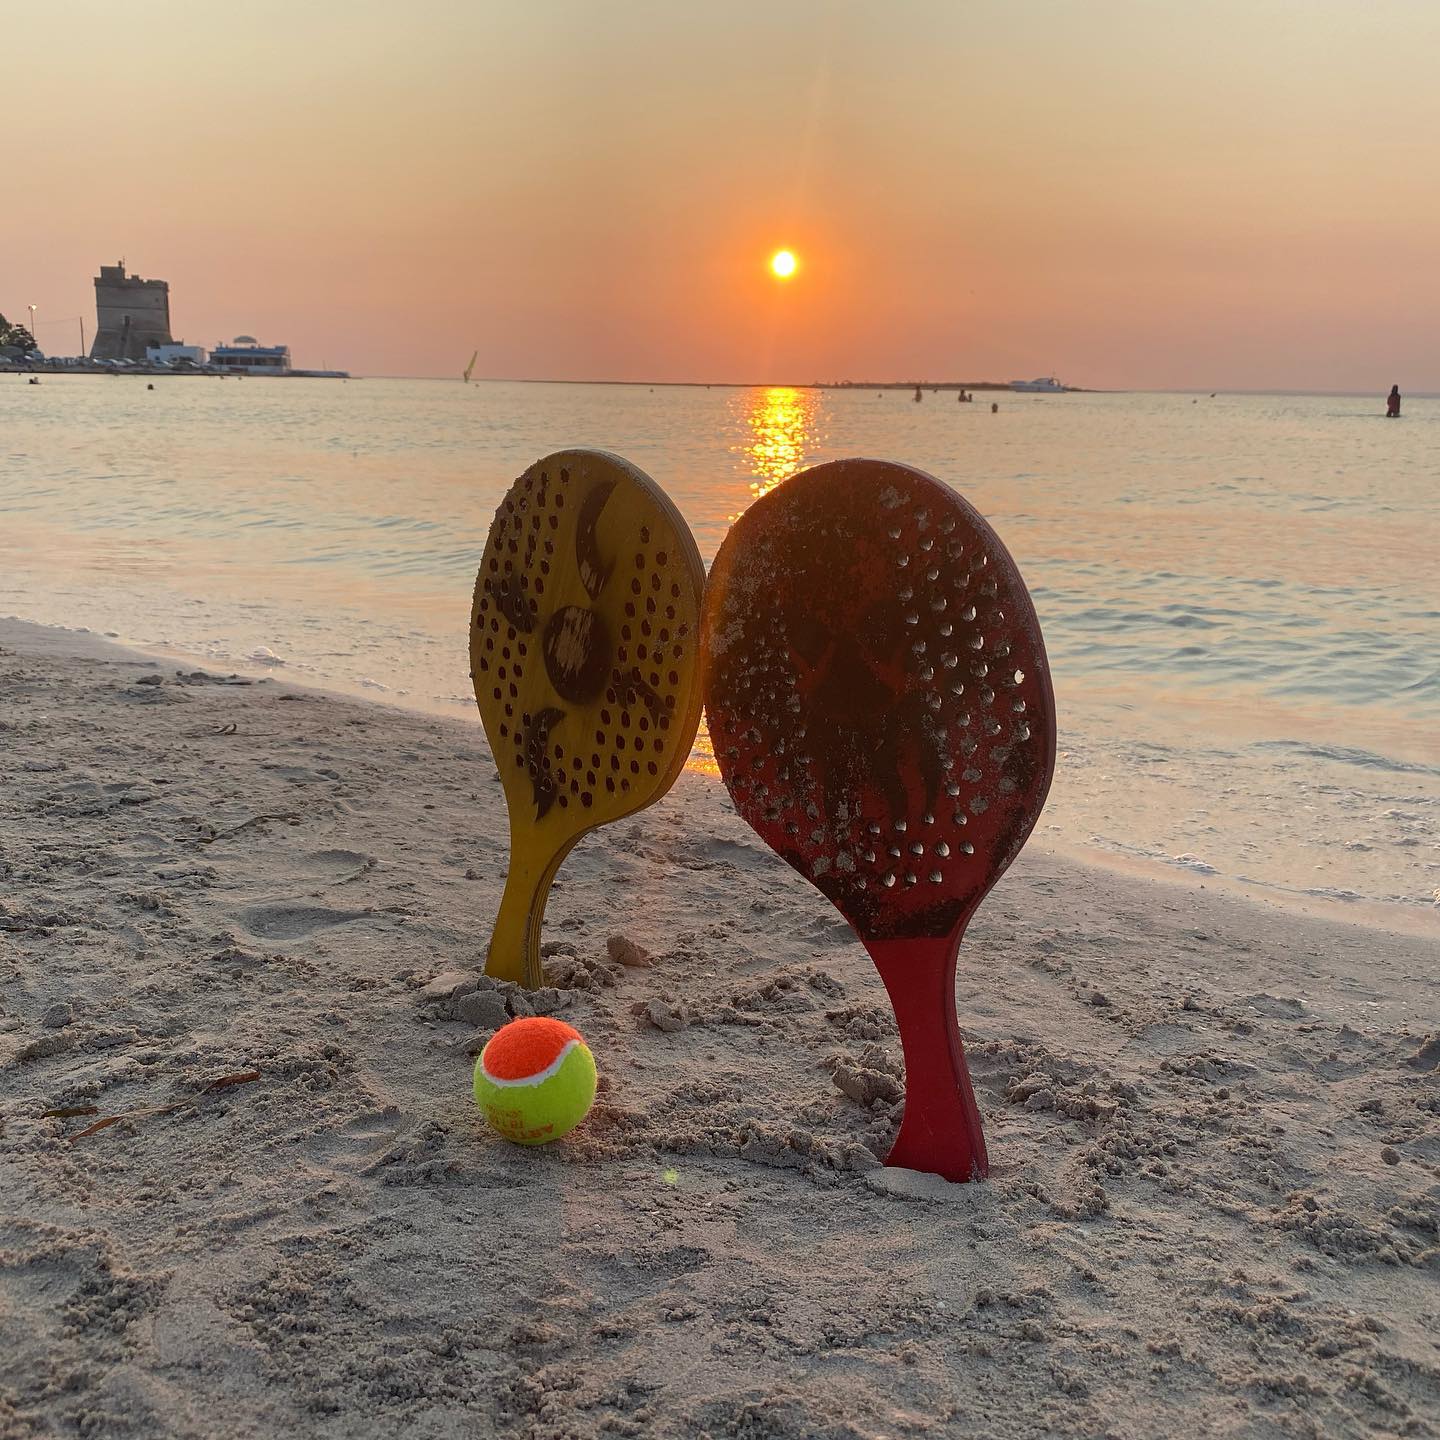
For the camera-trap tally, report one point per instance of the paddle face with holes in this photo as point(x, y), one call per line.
point(880, 706)
point(583, 650)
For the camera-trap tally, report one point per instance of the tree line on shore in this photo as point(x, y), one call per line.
point(15, 337)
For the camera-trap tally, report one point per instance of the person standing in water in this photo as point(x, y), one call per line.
point(1392, 404)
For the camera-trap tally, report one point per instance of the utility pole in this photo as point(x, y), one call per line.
point(81, 319)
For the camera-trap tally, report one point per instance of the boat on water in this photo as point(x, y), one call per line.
point(1047, 386)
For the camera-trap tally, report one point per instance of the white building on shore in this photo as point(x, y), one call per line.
point(246, 356)
point(169, 354)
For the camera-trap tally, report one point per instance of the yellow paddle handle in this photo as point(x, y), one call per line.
point(514, 952)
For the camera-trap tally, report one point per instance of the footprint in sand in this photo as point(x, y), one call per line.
point(824, 930)
point(293, 920)
point(332, 865)
point(361, 1141)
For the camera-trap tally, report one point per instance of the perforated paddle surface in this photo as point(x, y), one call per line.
point(584, 654)
point(878, 693)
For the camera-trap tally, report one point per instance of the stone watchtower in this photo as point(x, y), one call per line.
point(132, 312)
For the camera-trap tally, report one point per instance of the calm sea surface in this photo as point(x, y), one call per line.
point(1240, 594)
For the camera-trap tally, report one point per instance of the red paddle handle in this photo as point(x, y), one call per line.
point(941, 1130)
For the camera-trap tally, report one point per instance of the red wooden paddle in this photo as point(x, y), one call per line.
point(881, 710)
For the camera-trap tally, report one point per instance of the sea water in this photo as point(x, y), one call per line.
point(1240, 594)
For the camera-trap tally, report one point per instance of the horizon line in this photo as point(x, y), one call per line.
point(989, 385)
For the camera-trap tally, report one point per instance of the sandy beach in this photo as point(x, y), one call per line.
point(247, 923)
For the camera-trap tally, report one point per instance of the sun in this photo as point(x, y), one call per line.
point(783, 263)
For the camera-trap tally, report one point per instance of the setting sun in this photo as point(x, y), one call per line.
point(782, 262)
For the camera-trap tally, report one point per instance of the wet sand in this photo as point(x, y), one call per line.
point(1215, 1126)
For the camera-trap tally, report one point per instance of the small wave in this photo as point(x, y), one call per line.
point(1348, 755)
point(406, 522)
point(1193, 862)
point(1426, 685)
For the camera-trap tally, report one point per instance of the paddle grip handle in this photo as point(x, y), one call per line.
point(941, 1131)
point(514, 952)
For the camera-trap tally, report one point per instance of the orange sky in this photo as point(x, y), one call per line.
point(1143, 194)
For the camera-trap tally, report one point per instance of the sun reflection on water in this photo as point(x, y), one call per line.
point(782, 425)
point(783, 435)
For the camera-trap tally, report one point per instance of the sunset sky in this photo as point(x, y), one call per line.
point(1141, 194)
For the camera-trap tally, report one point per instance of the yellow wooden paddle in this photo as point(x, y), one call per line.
point(583, 649)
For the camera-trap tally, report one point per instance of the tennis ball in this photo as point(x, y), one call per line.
point(535, 1080)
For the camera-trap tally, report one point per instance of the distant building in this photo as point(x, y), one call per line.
point(169, 354)
point(133, 314)
point(243, 356)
